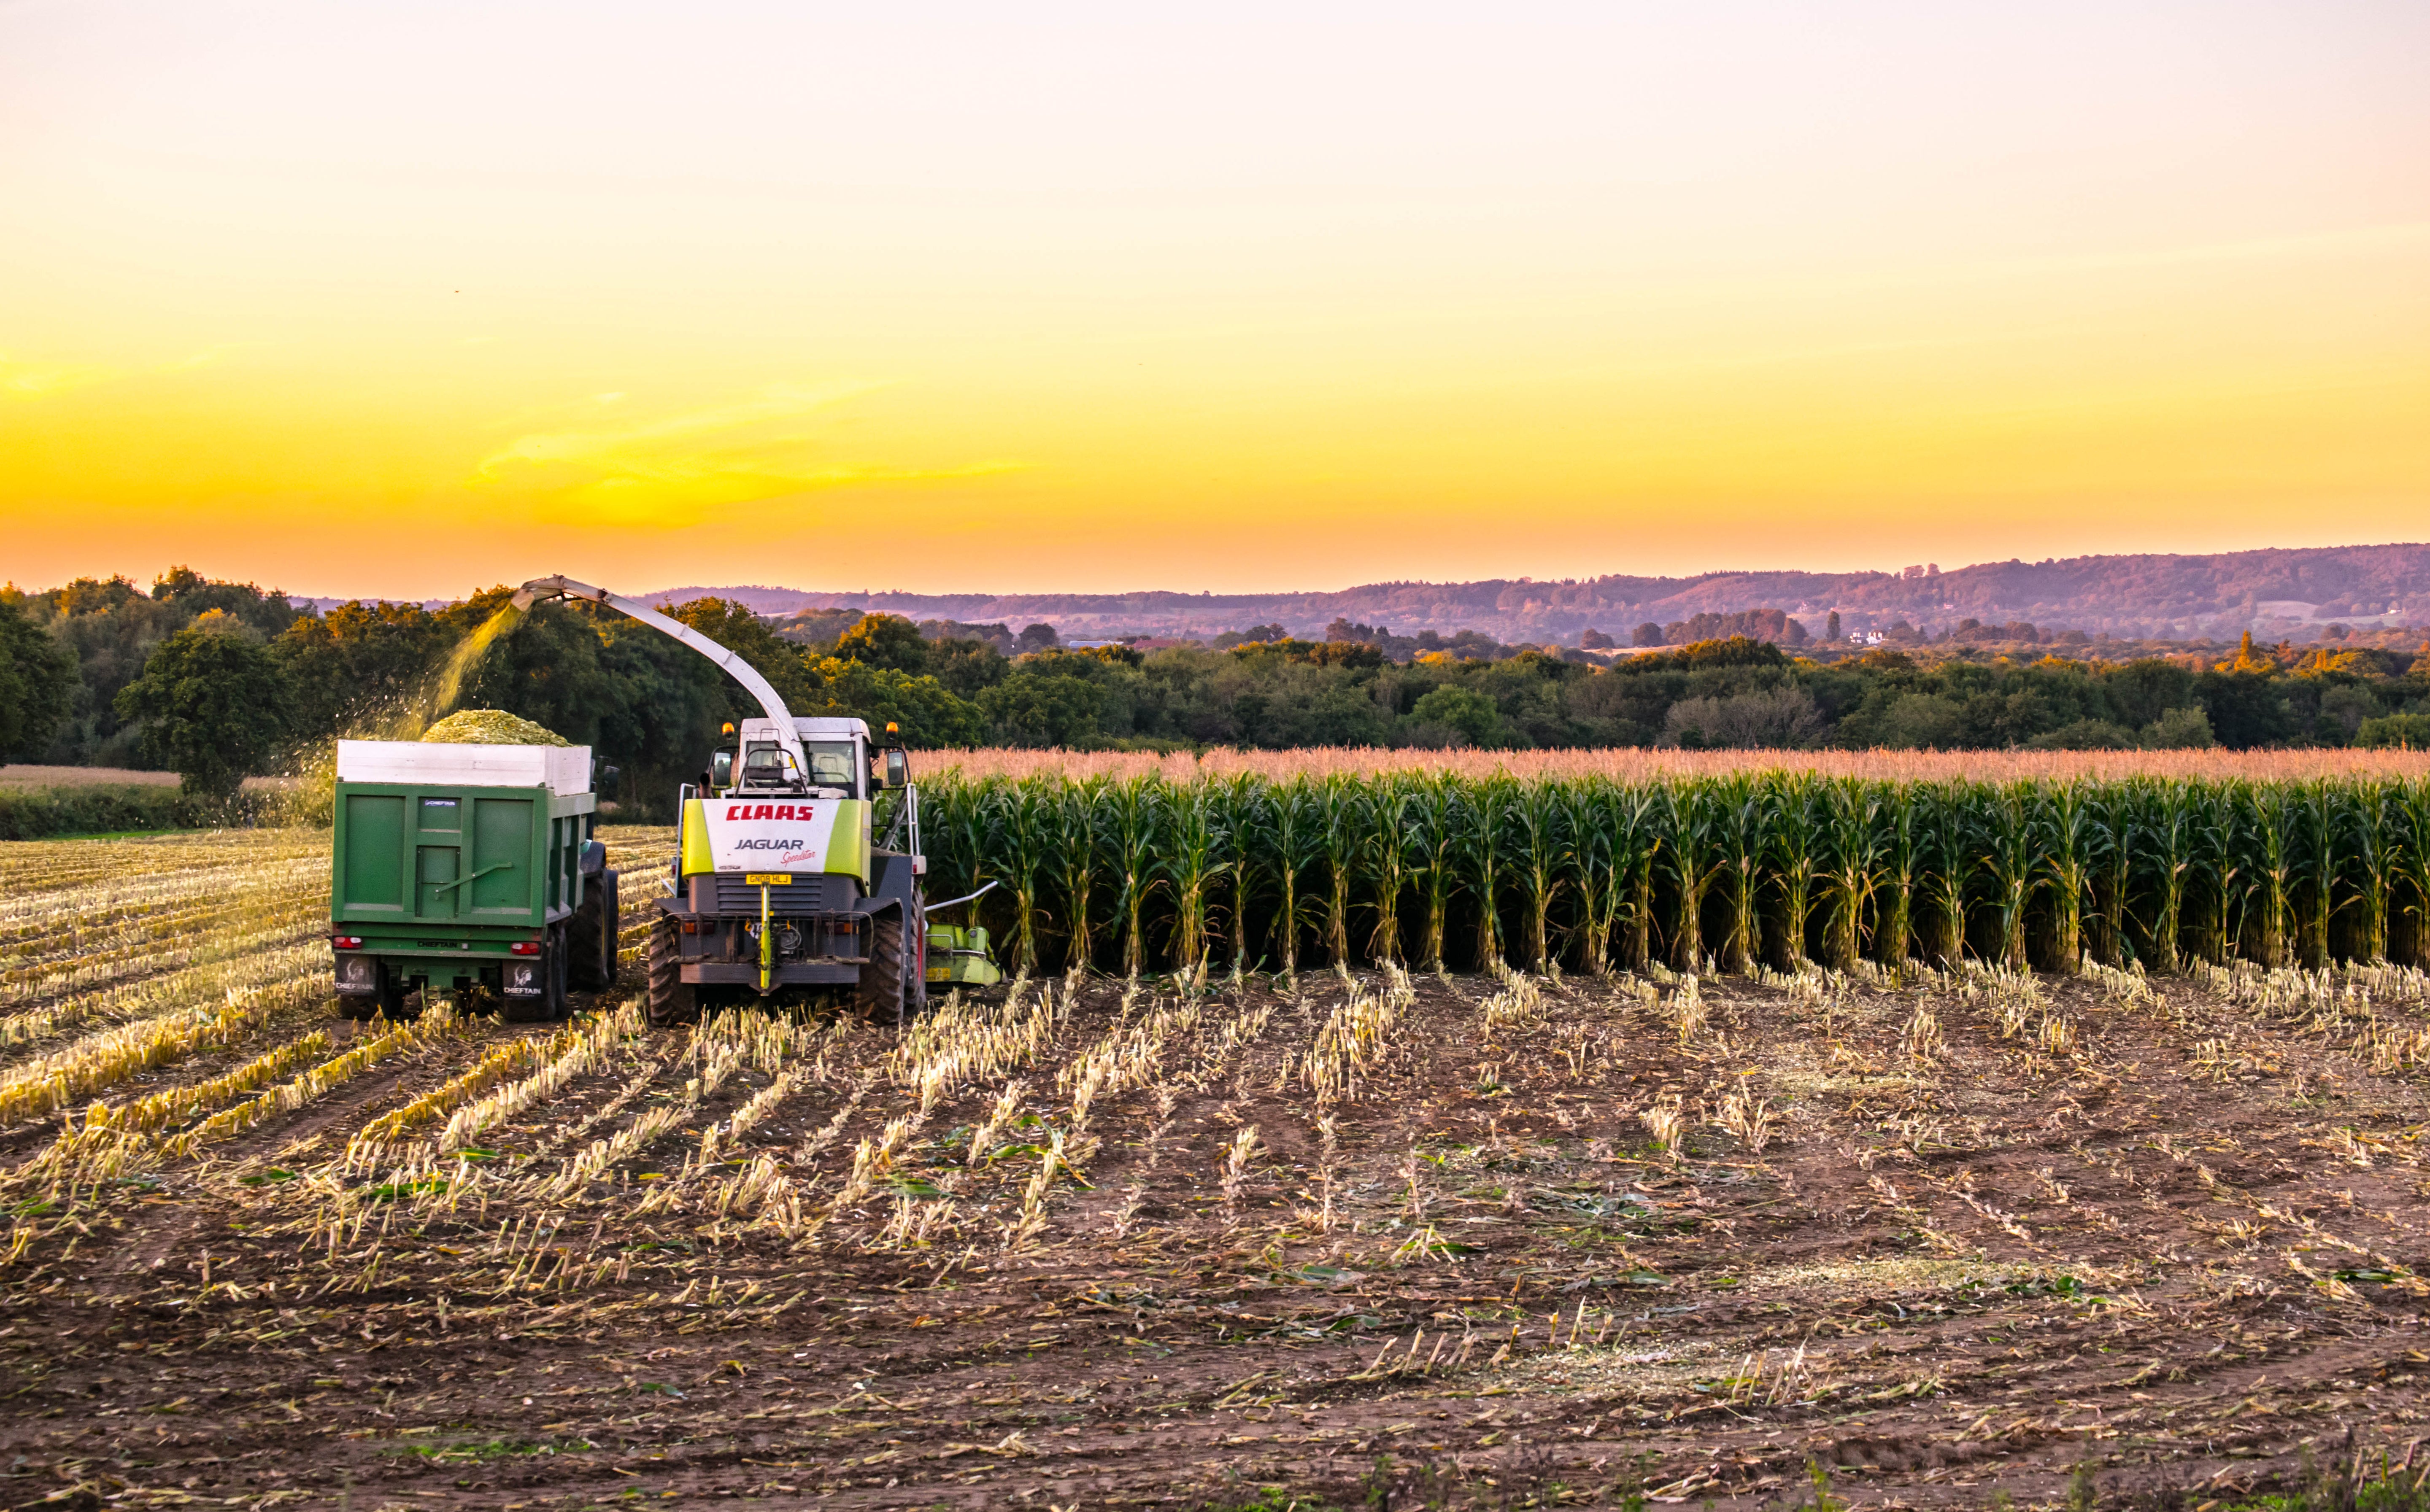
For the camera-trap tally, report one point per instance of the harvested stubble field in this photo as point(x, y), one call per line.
point(1483, 1240)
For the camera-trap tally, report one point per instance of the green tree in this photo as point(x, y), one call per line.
point(734, 627)
point(357, 665)
point(1038, 706)
point(38, 684)
point(213, 704)
point(928, 716)
point(885, 640)
point(1463, 710)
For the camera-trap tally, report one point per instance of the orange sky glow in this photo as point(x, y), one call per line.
point(406, 300)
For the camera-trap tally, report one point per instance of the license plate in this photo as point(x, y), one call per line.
point(769, 879)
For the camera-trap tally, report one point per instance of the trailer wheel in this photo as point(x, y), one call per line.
point(671, 1001)
point(881, 992)
point(393, 989)
point(591, 935)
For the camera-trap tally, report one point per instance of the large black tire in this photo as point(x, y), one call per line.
point(591, 961)
point(392, 990)
point(671, 1001)
point(880, 994)
point(915, 965)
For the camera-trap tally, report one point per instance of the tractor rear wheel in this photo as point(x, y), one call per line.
point(671, 1001)
point(879, 994)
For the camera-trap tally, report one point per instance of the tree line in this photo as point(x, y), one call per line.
point(217, 680)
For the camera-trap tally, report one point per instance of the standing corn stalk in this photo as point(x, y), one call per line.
point(1540, 850)
point(1022, 833)
point(2272, 832)
point(1489, 823)
point(1386, 847)
point(1591, 824)
point(2325, 823)
point(1690, 813)
point(2163, 850)
point(2009, 859)
point(1343, 824)
point(1947, 832)
point(2071, 845)
point(1854, 836)
point(2115, 814)
point(1079, 834)
point(1433, 812)
point(2409, 812)
point(1292, 825)
point(1799, 834)
point(1133, 814)
point(1743, 831)
point(1194, 862)
point(1900, 850)
point(1242, 803)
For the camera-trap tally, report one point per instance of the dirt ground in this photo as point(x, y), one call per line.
point(1097, 1244)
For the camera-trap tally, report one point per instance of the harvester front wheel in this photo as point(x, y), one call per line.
point(880, 991)
point(672, 1000)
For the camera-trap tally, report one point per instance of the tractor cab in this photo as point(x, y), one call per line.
point(756, 763)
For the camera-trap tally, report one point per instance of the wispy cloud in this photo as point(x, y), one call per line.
point(26, 378)
point(671, 468)
point(22, 378)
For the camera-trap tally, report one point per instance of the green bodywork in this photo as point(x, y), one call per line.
point(439, 880)
point(959, 957)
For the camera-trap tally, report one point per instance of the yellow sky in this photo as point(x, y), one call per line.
point(405, 302)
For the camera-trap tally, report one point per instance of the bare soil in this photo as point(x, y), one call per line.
point(2171, 1237)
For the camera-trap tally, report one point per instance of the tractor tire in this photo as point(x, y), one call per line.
point(880, 993)
point(591, 935)
point(915, 968)
point(671, 1001)
point(390, 998)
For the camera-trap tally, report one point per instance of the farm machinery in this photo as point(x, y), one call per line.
point(780, 878)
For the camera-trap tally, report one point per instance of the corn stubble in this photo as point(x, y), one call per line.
point(1359, 1192)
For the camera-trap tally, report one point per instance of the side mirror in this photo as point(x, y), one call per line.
point(721, 769)
point(898, 769)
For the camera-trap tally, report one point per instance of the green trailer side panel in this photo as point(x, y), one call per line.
point(430, 857)
point(505, 860)
point(372, 878)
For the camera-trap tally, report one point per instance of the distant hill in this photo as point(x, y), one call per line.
point(2169, 596)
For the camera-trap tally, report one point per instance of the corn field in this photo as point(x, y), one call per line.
point(1437, 868)
point(1543, 1236)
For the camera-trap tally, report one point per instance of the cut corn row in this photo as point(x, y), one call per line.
point(501, 1062)
point(286, 926)
point(53, 1081)
point(964, 1042)
point(135, 1003)
point(596, 1037)
point(107, 1142)
point(35, 871)
point(433, 1026)
point(62, 929)
point(1355, 1038)
point(30, 914)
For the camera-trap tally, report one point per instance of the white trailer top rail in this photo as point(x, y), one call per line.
point(562, 770)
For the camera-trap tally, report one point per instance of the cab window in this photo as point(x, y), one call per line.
point(832, 764)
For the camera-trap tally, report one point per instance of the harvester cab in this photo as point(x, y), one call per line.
point(781, 877)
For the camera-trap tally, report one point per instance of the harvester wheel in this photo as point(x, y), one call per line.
point(672, 1000)
point(591, 961)
point(880, 994)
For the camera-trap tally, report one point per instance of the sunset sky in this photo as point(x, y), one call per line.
point(399, 300)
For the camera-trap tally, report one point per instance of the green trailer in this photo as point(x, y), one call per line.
point(469, 869)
